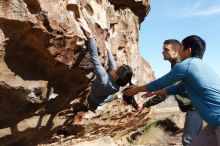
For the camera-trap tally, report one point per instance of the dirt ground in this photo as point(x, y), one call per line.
point(178, 117)
point(172, 121)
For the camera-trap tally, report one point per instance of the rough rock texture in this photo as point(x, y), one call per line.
point(46, 70)
point(138, 7)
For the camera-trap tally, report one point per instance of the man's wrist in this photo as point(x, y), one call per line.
point(162, 92)
point(142, 88)
point(156, 92)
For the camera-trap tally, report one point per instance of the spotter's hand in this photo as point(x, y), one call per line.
point(148, 94)
point(131, 90)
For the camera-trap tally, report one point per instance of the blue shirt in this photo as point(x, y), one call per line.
point(103, 86)
point(201, 83)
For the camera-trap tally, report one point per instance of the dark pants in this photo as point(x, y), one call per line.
point(91, 106)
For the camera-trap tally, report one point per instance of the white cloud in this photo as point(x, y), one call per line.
point(210, 11)
point(184, 9)
point(200, 8)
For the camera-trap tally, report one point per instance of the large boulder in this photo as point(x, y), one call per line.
point(46, 71)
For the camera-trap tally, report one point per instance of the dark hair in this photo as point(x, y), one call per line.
point(175, 43)
point(125, 74)
point(196, 43)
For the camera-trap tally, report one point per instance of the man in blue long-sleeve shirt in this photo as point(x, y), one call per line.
point(107, 82)
point(193, 121)
point(200, 82)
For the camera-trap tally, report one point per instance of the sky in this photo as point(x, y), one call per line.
point(177, 19)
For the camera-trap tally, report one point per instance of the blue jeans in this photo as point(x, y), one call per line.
point(192, 127)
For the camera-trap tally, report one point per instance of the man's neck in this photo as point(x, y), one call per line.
point(174, 61)
point(113, 74)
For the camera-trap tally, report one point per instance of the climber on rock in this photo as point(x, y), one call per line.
point(107, 82)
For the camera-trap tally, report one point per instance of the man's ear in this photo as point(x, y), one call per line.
point(189, 51)
point(176, 50)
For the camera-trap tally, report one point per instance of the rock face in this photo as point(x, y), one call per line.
point(46, 70)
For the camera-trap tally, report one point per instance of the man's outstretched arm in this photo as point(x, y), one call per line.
point(154, 101)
